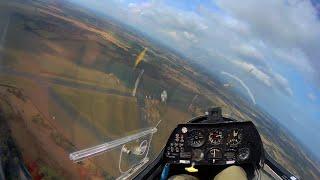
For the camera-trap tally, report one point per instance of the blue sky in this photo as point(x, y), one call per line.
point(272, 46)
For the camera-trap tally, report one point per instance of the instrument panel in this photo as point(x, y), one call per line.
point(214, 144)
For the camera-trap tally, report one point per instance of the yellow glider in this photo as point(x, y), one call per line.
point(140, 57)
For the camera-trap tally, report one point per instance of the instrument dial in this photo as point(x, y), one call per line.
point(215, 153)
point(234, 137)
point(243, 154)
point(197, 155)
point(196, 138)
point(215, 137)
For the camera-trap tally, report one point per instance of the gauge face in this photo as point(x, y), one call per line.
point(215, 153)
point(243, 154)
point(215, 137)
point(196, 138)
point(197, 155)
point(234, 137)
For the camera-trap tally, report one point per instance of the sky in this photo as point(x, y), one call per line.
point(269, 50)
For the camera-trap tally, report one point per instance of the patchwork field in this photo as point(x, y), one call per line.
point(66, 83)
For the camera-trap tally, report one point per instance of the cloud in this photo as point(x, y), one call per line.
point(249, 51)
point(266, 76)
point(291, 30)
point(190, 36)
point(281, 22)
point(177, 28)
point(282, 83)
point(257, 73)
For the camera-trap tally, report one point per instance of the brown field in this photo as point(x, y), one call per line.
point(110, 114)
point(76, 78)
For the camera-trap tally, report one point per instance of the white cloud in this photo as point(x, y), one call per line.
point(290, 30)
point(249, 51)
point(257, 73)
point(267, 77)
point(282, 83)
point(190, 36)
point(275, 20)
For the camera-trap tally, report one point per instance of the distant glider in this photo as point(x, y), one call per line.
point(140, 57)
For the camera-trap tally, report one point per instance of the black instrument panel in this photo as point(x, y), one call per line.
point(214, 144)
